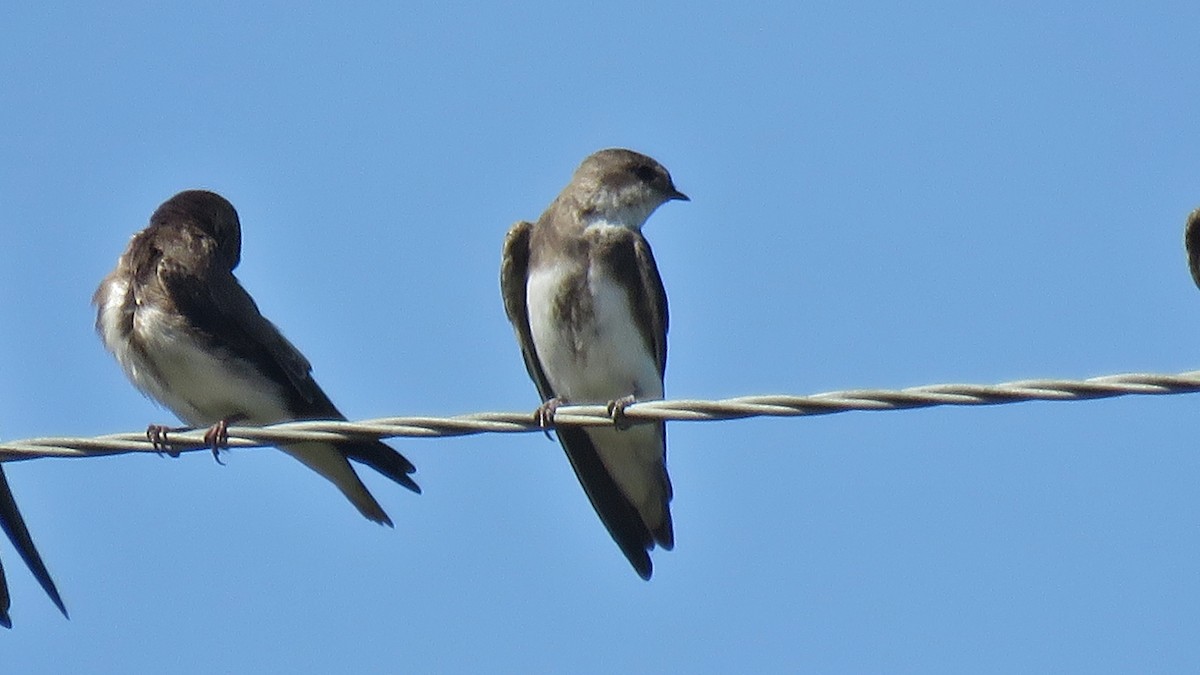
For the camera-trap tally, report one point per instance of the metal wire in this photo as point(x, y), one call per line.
point(679, 410)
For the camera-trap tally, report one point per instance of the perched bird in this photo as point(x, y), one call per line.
point(189, 336)
point(18, 533)
point(589, 310)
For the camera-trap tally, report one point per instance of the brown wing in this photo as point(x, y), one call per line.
point(514, 273)
point(628, 255)
point(653, 300)
point(218, 307)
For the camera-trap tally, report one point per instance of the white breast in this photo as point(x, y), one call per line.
point(198, 385)
point(604, 359)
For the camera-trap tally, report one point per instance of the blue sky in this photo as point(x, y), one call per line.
point(882, 197)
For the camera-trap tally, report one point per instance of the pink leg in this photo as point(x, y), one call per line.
point(544, 415)
point(157, 435)
point(217, 436)
point(616, 410)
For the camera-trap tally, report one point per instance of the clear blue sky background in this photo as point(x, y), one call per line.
point(881, 197)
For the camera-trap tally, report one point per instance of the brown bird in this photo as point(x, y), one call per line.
point(189, 336)
point(589, 310)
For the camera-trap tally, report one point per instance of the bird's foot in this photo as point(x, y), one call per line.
point(157, 435)
point(544, 415)
point(616, 410)
point(217, 436)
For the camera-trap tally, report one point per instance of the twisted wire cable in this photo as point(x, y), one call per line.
point(677, 410)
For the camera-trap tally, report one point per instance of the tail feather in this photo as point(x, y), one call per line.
point(384, 459)
point(329, 461)
point(14, 525)
point(619, 515)
point(5, 601)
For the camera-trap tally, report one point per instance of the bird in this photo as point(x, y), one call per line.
point(190, 337)
point(14, 526)
point(589, 311)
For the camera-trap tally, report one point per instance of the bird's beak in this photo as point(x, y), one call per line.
point(679, 195)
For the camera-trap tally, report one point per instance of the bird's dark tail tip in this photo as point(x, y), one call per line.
point(384, 459)
point(14, 526)
point(644, 571)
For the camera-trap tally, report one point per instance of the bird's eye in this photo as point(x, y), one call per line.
point(644, 172)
